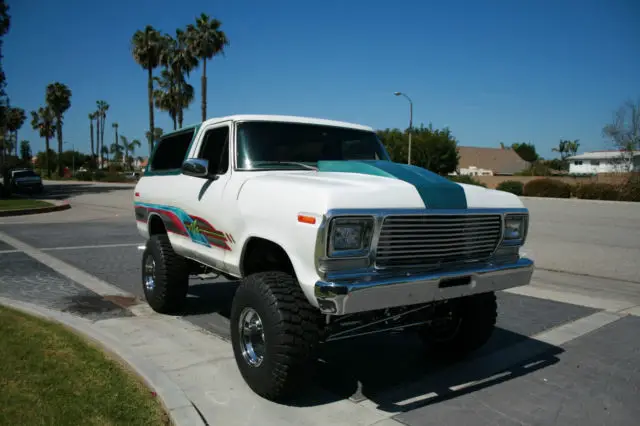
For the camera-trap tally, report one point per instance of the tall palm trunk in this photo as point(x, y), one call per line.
point(59, 132)
point(150, 95)
point(15, 134)
point(91, 130)
point(98, 149)
point(102, 126)
point(116, 143)
point(204, 89)
point(46, 156)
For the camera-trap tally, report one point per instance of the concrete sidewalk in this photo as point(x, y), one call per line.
point(195, 375)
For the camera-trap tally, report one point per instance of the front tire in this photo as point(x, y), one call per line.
point(165, 276)
point(274, 333)
point(471, 322)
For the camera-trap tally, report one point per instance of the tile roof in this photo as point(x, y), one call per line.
point(501, 161)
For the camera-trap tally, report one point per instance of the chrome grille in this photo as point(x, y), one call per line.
point(432, 240)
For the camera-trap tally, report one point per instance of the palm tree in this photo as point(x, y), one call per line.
point(92, 117)
point(173, 95)
point(103, 107)
point(59, 101)
point(116, 150)
point(105, 153)
point(117, 147)
point(25, 150)
point(15, 119)
point(157, 134)
point(44, 121)
point(146, 47)
point(206, 40)
point(131, 149)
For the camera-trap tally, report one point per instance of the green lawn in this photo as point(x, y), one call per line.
point(49, 375)
point(22, 203)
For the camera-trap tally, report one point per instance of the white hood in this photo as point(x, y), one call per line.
point(314, 191)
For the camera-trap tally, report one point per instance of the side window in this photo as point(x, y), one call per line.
point(171, 151)
point(215, 149)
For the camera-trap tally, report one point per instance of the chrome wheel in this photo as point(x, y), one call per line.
point(252, 340)
point(149, 274)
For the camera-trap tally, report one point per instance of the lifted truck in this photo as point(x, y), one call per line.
point(328, 238)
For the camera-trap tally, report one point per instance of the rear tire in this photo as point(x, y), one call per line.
point(165, 276)
point(473, 319)
point(274, 333)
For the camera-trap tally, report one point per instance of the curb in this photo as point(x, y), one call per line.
point(73, 181)
point(180, 409)
point(581, 200)
point(57, 207)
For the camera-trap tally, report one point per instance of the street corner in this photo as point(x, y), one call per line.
point(23, 206)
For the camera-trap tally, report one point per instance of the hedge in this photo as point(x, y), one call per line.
point(597, 191)
point(547, 188)
point(512, 186)
point(466, 179)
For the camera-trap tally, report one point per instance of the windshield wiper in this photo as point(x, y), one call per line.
point(306, 166)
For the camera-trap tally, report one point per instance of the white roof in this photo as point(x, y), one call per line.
point(288, 119)
point(600, 155)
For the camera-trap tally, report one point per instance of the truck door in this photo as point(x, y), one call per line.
point(210, 218)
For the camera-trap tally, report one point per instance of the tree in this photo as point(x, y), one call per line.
point(15, 119)
point(157, 134)
point(206, 40)
point(624, 132)
point(44, 121)
point(92, 116)
point(129, 149)
point(526, 151)
point(146, 47)
point(174, 93)
point(567, 148)
point(25, 151)
point(116, 148)
point(432, 149)
point(59, 101)
point(101, 113)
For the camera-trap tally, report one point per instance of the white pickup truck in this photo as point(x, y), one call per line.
point(328, 238)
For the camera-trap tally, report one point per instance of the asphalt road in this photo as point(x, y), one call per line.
point(557, 358)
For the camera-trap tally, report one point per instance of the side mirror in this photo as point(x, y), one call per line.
point(196, 167)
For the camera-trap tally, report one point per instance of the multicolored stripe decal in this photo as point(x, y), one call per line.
point(179, 222)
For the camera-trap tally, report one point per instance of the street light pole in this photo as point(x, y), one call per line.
point(410, 121)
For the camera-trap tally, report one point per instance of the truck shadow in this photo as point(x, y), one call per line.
point(396, 371)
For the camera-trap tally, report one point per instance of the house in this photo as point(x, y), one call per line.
point(476, 161)
point(612, 161)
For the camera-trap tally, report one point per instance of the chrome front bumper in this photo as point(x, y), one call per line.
point(339, 297)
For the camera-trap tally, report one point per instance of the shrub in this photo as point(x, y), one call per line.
point(547, 188)
point(512, 186)
point(630, 190)
point(84, 176)
point(99, 175)
point(466, 179)
point(114, 177)
point(597, 191)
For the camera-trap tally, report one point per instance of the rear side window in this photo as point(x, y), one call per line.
point(171, 151)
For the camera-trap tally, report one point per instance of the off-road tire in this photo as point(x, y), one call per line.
point(171, 276)
point(478, 314)
point(291, 333)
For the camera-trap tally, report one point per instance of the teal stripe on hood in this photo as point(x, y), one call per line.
point(436, 191)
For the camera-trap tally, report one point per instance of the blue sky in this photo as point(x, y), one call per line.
point(493, 70)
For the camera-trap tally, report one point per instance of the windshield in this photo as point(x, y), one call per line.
point(25, 173)
point(278, 145)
